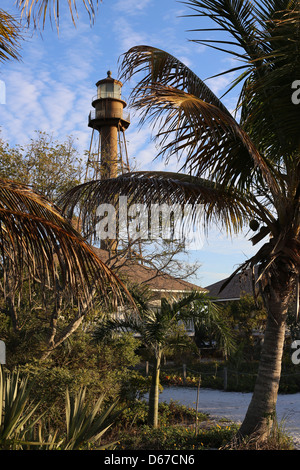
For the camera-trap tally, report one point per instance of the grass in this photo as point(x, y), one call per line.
point(175, 438)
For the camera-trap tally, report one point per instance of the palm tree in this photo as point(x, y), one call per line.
point(241, 172)
point(155, 326)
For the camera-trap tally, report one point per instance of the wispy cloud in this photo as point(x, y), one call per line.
point(131, 7)
point(128, 36)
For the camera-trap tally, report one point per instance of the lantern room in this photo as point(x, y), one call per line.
point(109, 88)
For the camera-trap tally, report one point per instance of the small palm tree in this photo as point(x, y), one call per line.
point(155, 326)
point(245, 172)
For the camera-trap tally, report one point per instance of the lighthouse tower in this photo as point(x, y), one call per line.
point(107, 156)
point(109, 119)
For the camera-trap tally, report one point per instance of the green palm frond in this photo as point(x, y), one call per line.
point(260, 30)
point(269, 116)
point(155, 325)
point(210, 315)
point(236, 17)
point(191, 122)
point(251, 26)
point(35, 238)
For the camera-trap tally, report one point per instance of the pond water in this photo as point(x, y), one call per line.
point(234, 405)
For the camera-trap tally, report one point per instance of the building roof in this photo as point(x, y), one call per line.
point(141, 274)
point(239, 285)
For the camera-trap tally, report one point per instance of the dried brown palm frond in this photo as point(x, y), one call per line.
point(35, 238)
point(158, 66)
point(10, 37)
point(36, 10)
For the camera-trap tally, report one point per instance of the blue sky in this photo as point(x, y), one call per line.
point(51, 89)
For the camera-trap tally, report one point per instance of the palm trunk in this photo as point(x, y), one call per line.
point(154, 393)
point(262, 409)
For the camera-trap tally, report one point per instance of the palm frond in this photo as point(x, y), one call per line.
point(10, 37)
point(36, 10)
point(207, 201)
point(235, 17)
point(247, 23)
point(261, 30)
point(158, 66)
point(191, 122)
point(35, 238)
point(269, 115)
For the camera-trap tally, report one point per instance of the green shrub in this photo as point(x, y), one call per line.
point(175, 438)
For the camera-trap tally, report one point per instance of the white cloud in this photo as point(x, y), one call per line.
point(131, 7)
point(219, 84)
point(128, 36)
point(50, 89)
point(40, 104)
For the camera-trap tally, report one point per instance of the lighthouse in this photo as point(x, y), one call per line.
point(110, 121)
point(108, 156)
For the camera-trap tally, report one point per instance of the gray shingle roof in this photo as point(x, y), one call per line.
point(239, 285)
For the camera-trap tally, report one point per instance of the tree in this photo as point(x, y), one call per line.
point(155, 327)
point(49, 167)
point(248, 317)
point(240, 172)
point(33, 302)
